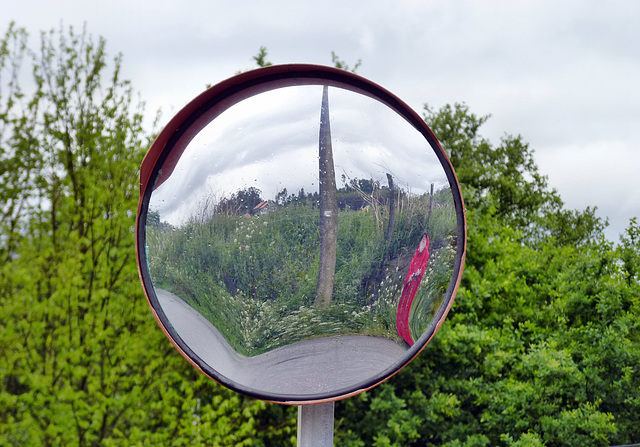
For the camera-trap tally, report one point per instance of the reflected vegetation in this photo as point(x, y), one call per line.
point(235, 231)
point(252, 267)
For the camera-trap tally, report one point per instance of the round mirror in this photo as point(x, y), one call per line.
point(300, 233)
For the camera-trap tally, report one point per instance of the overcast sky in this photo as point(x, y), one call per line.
point(563, 74)
point(270, 142)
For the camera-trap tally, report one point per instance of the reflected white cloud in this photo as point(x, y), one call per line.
point(270, 142)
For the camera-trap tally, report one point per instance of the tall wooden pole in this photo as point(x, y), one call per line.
point(430, 208)
point(392, 216)
point(328, 208)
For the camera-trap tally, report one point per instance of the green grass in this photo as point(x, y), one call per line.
point(255, 278)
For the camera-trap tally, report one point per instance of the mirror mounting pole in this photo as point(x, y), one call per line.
point(315, 425)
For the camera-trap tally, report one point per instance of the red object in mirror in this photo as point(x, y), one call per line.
point(411, 284)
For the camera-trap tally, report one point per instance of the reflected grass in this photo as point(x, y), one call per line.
point(255, 277)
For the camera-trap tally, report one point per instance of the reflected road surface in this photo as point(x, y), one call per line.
point(321, 365)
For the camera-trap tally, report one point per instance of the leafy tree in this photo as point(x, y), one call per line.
point(541, 347)
point(340, 63)
point(505, 182)
point(261, 58)
point(240, 202)
point(81, 360)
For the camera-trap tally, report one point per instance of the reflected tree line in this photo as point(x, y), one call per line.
point(355, 194)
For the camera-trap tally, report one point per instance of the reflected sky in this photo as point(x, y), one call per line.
point(270, 142)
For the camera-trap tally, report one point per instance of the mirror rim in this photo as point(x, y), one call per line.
point(191, 119)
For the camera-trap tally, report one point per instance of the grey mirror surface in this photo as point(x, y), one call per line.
point(233, 242)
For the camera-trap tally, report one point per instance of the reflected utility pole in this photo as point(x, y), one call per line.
point(328, 208)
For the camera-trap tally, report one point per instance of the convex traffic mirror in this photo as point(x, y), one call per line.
point(300, 233)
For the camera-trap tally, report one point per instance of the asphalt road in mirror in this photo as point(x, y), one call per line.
point(321, 365)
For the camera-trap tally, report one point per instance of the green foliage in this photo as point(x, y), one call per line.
point(542, 346)
point(81, 360)
point(255, 277)
point(340, 63)
point(504, 181)
point(541, 349)
point(241, 202)
point(261, 58)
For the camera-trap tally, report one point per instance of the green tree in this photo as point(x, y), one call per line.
point(81, 360)
point(340, 63)
point(18, 164)
point(240, 202)
point(504, 180)
point(541, 347)
point(261, 58)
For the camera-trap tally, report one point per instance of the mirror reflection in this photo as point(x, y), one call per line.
point(303, 241)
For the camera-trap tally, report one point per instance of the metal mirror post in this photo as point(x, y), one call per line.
point(300, 236)
point(315, 425)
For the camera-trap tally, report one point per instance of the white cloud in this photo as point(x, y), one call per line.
point(563, 74)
